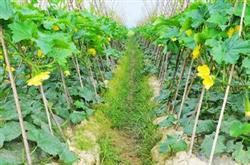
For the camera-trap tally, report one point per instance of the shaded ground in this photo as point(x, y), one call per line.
point(128, 148)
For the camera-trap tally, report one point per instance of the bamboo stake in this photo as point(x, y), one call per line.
point(191, 84)
point(65, 89)
point(50, 112)
point(107, 59)
point(93, 80)
point(78, 70)
point(178, 83)
point(196, 121)
point(70, 5)
point(165, 70)
point(162, 66)
point(16, 98)
point(45, 103)
point(159, 59)
point(57, 124)
point(177, 64)
point(185, 90)
point(226, 93)
point(98, 67)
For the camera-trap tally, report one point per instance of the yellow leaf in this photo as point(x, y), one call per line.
point(23, 48)
point(91, 51)
point(55, 28)
point(247, 114)
point(174, 39)
point(189, 32)
point(247, 106)
point(40, 53)
point(66, 73)
point(7, 81)
point(196, 52)
point(38, 79)
point(11, 69)
point(1, 57)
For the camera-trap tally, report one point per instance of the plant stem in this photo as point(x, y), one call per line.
point(16, 98)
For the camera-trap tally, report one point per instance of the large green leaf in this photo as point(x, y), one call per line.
point(207, 33)
point(2, 138)
point(246, 64)
point(229, 50)
point(5, 9)
point(23, 30)
point(220, 12)
point(9, 157)
point(87, 93)
point(220, 6)
point(240, 155)
point(203, 127)
point(197, 17)
point(218, 19)
point(172, 145)
point(169, 121)
point(9, 109)
point(10, 130)
point(238, 12)
point(56, 45)
point(238, 128)
point(77, 117)
point(51, 145)
point(67, 156)
point(45, 141)
point(207, 143)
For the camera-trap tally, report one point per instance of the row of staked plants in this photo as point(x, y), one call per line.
point(53, 66)
point(202, 58)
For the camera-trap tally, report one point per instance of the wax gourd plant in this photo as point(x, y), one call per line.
point(198, 55)
point(53, 63)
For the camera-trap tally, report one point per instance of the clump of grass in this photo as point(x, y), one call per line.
point(82, 142)
point(109, 153)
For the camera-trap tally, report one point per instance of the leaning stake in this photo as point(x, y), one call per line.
point(185, 90)
point(196, 121)
point(18, 107)
point(46, 106)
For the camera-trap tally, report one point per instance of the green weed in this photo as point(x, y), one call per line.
point(129, 102)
